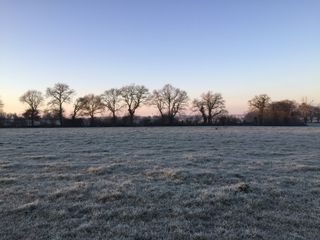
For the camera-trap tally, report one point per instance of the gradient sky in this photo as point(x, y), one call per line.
point(239, 48)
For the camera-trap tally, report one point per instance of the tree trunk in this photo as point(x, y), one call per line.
point(61, 115)
point(171, 119)
point(204, 117)
point(32, 118)
point(91, 120)
point(260, 118)
point(210, 117)
point(131, 118)
point(163, 118)
point(114, 118)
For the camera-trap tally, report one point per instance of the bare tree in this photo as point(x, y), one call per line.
point(170, 101)
point(77, 107)
point(33, 99)
point(211, 105)
point(113, 101)
point(134, 96)
point(260, 103)
point(59, 94)
point(92, 105)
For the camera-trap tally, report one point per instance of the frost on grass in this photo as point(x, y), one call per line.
point(7, 180)
point(27, 207)
point(160, 183)
point(75, 191)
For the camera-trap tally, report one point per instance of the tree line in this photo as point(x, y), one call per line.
point(170, 102)
point(263, 111)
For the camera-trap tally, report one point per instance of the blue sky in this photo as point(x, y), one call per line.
point(237, 48)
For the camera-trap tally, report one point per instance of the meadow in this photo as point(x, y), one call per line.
point(160, 183)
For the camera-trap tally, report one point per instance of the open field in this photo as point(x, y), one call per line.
point(160, 183)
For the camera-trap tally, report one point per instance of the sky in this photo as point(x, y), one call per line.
point(236, 48)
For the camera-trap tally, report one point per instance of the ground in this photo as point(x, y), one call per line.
point(160, 183)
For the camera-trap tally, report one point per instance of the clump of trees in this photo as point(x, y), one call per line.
point(263, 111)
point(283, 112)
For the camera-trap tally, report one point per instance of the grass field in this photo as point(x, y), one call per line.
point(160, 183)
